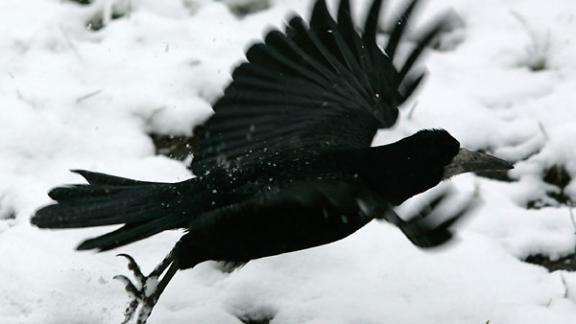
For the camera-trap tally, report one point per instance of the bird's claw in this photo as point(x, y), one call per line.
point(133, 267)
point(142, 291)
point(425, 230)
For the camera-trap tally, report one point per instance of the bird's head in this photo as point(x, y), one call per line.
point(419, 162)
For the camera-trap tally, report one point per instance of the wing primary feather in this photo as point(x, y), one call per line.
point(399, 28)
point(346, 25)
point(297, 123)
point(299, 35)
point(234, 138)
point(306, 90)
point(349, 77)
point(261, 52)
point(248, 124)
point(277, 39)
point(253, 70)
point(371, 24)
point(422, 44)
point(327, 30)
point(231, 138)
point(263, 97)
point(247, 72)
point(348, 31)
point(341, 46)
point(345, 14)
point(314, 41)
point(408, 87)
point(315, 34)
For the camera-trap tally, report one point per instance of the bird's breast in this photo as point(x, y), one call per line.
point(271, 232)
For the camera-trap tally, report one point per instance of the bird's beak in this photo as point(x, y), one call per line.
point(470, 161)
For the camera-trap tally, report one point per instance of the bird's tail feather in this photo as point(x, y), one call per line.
point(145, 208)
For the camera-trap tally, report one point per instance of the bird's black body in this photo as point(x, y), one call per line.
point(285, 162)
point(291, 206)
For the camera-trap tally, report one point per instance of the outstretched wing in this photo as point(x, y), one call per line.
point(311, 88)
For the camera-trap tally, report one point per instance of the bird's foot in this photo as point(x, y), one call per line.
point(427, 228)
point(143, 292)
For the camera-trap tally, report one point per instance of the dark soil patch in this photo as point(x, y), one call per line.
point(174, 147)
point(567, 263)
point(82, 2)
point(559, 177)
point(244, 8)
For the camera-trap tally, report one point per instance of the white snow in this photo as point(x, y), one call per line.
point(71, 98)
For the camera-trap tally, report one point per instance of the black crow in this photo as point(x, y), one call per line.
point(285, 162)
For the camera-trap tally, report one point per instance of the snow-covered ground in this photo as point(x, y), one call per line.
point(502, 80)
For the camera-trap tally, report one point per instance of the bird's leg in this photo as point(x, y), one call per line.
point(147, 289)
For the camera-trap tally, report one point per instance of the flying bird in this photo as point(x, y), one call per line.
point(285, 162)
